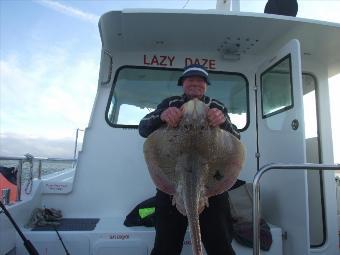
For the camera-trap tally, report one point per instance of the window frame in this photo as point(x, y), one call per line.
point(322, 183)
point(286, 108)
point(113, 85)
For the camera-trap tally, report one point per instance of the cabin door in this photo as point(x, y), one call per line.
point(284, 198)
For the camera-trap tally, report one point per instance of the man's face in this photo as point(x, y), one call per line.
point(194, 86)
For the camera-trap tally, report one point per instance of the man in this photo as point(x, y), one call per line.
point(215, 220)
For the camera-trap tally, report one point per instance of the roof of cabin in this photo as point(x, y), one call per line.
point(214, 30)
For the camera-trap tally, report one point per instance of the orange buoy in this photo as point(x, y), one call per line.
point(5, 184)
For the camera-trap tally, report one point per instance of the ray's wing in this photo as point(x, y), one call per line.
point(161, 150)
point(226, 159)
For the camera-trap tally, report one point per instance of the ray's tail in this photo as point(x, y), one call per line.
point(191, 199)
point(195, 233)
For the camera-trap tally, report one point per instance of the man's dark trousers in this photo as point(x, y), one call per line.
point(171, 225)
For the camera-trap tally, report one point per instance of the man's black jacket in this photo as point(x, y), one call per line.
point(152, 121)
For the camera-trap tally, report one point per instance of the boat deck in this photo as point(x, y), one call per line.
point(110, 236)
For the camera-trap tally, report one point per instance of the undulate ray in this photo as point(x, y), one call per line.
point(193, 162)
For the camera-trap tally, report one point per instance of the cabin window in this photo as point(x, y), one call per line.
point(276, 88)
point(317, 226)
point(137, 91)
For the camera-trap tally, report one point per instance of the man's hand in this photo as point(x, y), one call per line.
point(215, 117)
point(172, 116)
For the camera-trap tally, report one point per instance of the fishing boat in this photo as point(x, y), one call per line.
point(263, 67)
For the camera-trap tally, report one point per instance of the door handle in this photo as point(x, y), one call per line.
point(295, 124)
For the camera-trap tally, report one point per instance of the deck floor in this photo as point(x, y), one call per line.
point(71, 224)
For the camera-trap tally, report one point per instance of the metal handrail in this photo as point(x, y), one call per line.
point(256, 190)
point(23, 159)
point(76, 145)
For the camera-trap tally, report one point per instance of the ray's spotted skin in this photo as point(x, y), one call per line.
point(193, 162)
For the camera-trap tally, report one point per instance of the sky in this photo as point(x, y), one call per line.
point(49, 64)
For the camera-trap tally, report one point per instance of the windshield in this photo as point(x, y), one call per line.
point(138, 90)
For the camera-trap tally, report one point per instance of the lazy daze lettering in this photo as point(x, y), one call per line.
point(168, 61)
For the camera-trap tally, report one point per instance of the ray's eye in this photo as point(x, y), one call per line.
point(188, 126)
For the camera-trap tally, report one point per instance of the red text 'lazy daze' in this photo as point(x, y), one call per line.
point(168, 61)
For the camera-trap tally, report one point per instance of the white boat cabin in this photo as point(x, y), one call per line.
point(270, 71)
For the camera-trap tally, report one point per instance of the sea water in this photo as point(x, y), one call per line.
point(47, 167)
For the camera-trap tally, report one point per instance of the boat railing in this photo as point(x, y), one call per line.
point(28, 158)
point(256, 191)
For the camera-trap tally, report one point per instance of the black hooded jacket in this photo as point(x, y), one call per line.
point(152, 121)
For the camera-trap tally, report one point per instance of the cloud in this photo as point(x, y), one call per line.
point(50, 95)
point(12, 144)
point(68, 10)
point(47, 89)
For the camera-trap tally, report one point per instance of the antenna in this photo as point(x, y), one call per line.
point(228, 5)
point(186, 3)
